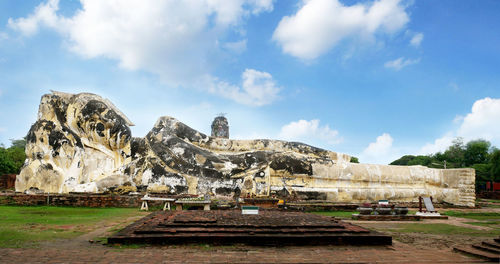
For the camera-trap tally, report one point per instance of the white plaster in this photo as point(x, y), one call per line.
point(228, 167)
point(146, 177)
point(178, 151)
point(90, 187)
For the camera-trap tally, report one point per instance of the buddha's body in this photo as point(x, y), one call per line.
point(91, 150)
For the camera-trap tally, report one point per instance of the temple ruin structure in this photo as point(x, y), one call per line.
point(83, 143)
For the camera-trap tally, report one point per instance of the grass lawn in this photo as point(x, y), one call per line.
point(492, 224)
point(440, 229)
point(22, 226)
point(488, 200)
point(339, 214)
point(488, 219)
point(476, 216)
point(488, 203)
point(345, 214)
point(491, 205)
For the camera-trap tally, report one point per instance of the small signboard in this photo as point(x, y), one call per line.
point(383, 202)
point(250, 210)
point(428, 204)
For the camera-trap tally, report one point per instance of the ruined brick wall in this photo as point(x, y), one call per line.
point(72, 200)
point(7, 181)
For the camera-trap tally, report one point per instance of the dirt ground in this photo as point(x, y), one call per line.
point(433, 241)
point(406, 248)
point(427, 241)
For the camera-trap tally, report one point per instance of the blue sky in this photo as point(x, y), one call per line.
point(374, 79)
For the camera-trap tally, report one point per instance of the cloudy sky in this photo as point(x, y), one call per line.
point(374, 79)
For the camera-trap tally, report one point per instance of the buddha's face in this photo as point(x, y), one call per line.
point(101, 124)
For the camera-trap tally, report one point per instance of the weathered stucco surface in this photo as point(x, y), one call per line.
point(82, 143)
point(78, 143)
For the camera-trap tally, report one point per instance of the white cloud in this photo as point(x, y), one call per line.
point(438, 145)
point(175, 39)
point(480, 123)
point(3, 36)
point(259, 6)
point(319, 25)
point(2, 129)
point(309, 130)
point(379, 152)
point(400, 63)
point(44, 14)
point(416, 40)
point(381, 146)
point(458, 119)
point(236, 47)
point(257, 88)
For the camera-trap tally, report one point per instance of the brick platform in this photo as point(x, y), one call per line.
point(269, 227)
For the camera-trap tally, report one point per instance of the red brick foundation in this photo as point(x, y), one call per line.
point(78, 200)
point(114, 200)
point(7, 181)
point(489, 195)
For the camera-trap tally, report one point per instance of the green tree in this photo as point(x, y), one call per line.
point(12, 158)
point(411, 160)
point(439, 156)
point(403, 160)
point(354, 160)
point(18, 143)
point(6, 163)
point(17, 156)
point(454, 155)
point(420, 160)
point(483, 172)
point(495, 165)
point(476, 152)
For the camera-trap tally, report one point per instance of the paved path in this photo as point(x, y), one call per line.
point(96, 253)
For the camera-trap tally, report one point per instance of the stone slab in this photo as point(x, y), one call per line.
point(428, 204)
